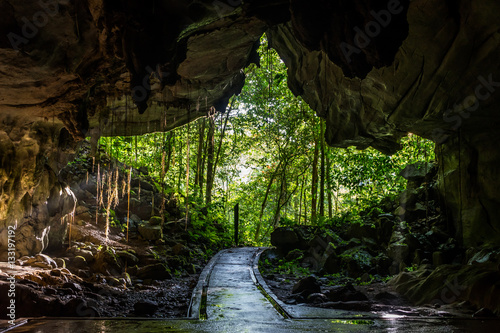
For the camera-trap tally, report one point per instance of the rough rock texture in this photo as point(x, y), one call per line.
point(436, 66)
point(477, 284)
point(469, 185)
point(373, 69)
point(32, 196)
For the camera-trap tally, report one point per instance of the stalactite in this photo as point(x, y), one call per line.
point(71, 218)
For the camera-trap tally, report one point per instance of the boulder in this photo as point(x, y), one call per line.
point(106, 262)
point(154, 271)
point(398, 252)
point(417, 171)
point(360, 230)
point(181, 249)
point(150, 232)
point(408, 198)
point(127, 257)
point(285, 239)
point(306, 286)
point(294, 255)
point(155, 220)
point(41, 265)
point(73, 286)
point(78, 262)
point(447, 284)
point(145, 307)
point(345, 293)
point(316, 298)
point(356, 261)
point(89, 257)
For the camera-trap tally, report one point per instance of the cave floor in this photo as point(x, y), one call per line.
point(230, 325)
point(231, 296)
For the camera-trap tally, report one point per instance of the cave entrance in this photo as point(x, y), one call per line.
point(267, 152)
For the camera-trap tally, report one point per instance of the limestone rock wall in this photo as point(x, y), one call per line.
point(32, 198)
point(469, 185)
point(444, 70)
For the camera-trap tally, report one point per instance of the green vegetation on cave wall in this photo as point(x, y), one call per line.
point(267, 153)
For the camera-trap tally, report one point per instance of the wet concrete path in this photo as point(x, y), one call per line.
point(231, 297)
point(232, 289)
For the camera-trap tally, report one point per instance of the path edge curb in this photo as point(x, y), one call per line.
point(262, 283)
point(196, 296)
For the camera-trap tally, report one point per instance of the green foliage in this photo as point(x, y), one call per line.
point(265, 164)
point(284, 267)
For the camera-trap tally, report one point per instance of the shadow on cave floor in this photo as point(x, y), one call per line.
point(231, 296)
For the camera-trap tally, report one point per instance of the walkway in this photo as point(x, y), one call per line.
point(232, 297)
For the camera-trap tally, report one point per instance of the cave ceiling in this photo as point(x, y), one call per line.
point(375, 70)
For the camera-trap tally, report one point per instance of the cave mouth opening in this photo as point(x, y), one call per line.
point(267, 152)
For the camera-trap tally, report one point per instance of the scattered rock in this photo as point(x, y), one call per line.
point(180, 249)
point(106, 262)
point(155, 220)
point(73, 286)
point(89, 257)
point(345, 294)
point(307, 286)
point(61, 263)
point(79, 262)
point(483, 313)
point(154, 271)
point(145, 307)
point(128, 257)
point(285, 239)
point(43, 258)
point(150, 232)
point(316, 298)
point(294, 255)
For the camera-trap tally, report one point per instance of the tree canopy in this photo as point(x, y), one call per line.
point(267, 152)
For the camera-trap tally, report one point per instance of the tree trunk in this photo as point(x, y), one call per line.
point(322, 170)
point(280, 200)
point(187, 175)
point(301, 198)
point(180, 157)
point(170, 151)
point(329, 187)
point(217, 157)
point(314, 183)
point(264, 202)
point(210, 162)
